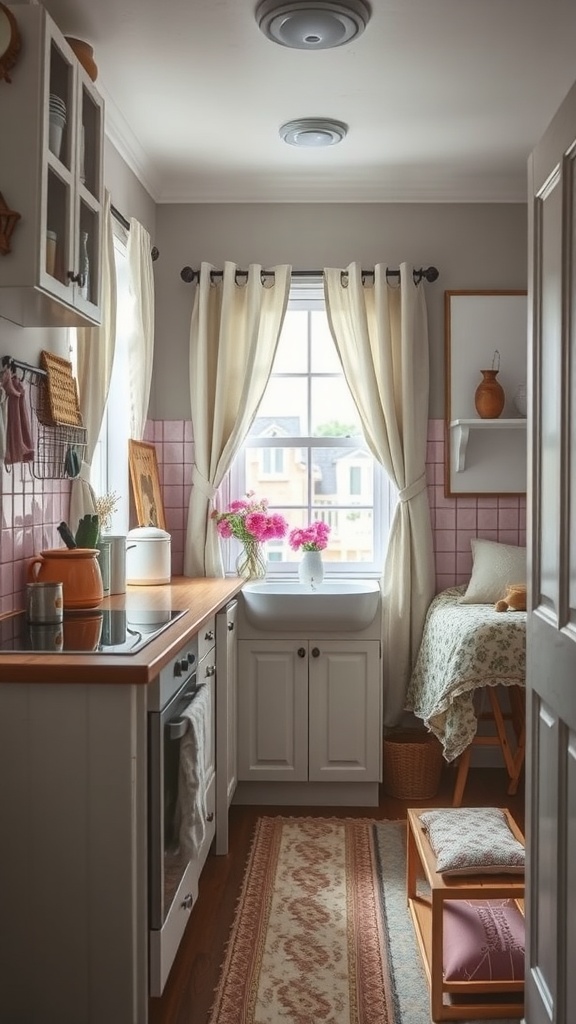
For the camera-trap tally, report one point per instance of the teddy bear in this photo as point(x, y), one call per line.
point(514, 599)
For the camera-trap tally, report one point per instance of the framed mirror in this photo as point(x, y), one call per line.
point(485, 342)
point(9, 42)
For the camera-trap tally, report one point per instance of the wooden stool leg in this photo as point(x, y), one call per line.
point(462, 775)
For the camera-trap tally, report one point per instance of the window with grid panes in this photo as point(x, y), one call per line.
point(306, 453)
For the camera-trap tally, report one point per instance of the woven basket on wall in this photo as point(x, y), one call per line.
point(412, 764)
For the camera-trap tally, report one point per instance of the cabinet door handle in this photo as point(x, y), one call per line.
point(301, 652)
point(315, 652)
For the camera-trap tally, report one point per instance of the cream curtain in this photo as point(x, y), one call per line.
point(95, 355)
point(234, 334)
point(381, 334)
point(141, 345)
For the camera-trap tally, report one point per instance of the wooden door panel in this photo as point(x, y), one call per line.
point(551, 633)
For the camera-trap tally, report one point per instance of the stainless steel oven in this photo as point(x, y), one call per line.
point(173, 877)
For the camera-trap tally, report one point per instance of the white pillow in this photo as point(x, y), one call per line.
point(495, 567)
point(473, 840)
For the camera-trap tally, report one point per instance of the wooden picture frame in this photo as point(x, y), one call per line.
point(484, 457)
point(145, 481)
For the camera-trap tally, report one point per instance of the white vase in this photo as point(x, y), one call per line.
point(311, 569)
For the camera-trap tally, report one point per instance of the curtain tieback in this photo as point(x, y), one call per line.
point(203, 485)
point(407, 493)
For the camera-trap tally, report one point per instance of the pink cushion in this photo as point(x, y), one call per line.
point(483, 941)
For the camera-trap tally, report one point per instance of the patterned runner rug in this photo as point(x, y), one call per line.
point(307, 944)
point(322, 933)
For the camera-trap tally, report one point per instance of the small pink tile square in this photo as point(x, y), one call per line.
point(507, 519)
point(174, 521)
point(464, 563)
point(446, 562)
point(445, 540)
point(436, 430)
point(173, 473)
point(173, 452)
point(173, 497)
point(463, 538)
point(6, 546)
point(487, 518)
point(466, 518)
point(173, 430)
point(446, 518)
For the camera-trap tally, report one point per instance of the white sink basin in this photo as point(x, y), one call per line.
point(335, 605)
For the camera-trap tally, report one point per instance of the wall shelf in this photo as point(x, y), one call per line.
point(460, 430)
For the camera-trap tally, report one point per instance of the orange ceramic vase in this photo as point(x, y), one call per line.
point(489, 397)
point(78, 571)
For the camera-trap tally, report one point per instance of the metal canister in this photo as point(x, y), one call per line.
point(44, 603)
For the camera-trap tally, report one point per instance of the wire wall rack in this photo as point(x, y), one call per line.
point(58, 447)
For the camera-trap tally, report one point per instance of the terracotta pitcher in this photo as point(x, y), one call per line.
point(78, 571)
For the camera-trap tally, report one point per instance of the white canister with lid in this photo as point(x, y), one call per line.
point(148, 556)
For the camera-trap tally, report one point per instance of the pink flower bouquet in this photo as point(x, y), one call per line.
point(313, 537)
point(249, 520)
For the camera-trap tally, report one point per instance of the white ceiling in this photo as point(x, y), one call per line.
point(444, 98)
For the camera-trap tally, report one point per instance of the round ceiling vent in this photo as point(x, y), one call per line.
point(309, 25)
point(310, 132)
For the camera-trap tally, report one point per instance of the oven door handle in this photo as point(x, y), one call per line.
point(178, 728)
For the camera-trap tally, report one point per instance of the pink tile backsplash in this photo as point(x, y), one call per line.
point(32, 509)
point(455, 521)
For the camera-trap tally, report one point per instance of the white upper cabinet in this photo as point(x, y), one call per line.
point(52, 125)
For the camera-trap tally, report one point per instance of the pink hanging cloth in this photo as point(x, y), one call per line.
point(19, 443)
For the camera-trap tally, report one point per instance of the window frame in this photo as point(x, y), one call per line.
point(310, 297)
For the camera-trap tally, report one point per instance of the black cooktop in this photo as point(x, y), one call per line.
point(101, 631)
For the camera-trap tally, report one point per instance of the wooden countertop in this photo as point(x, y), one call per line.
point(201, 597)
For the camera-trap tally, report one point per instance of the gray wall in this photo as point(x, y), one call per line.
point(481, 246)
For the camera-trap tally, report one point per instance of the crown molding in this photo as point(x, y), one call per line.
point(510, 189)
point(120, 134)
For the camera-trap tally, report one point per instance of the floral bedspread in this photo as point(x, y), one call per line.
point(464, 646)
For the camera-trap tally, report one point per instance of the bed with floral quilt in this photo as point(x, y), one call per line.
point(464, 647)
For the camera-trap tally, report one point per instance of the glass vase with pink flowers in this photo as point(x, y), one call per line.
point(252, 523)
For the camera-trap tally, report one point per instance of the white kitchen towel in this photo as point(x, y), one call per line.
point(192, 774)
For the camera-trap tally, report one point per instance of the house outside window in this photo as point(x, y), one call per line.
point(306, 453)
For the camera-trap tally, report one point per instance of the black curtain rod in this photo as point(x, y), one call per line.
point(428, 273)
point(126, 224)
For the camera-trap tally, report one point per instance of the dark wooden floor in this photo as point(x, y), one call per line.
point(190, 988)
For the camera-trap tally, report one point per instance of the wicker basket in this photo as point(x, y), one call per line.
point(412, 764)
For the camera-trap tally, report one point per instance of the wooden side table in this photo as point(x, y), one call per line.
point(506, 998)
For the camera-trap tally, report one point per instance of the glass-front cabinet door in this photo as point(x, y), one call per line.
point(72, 150)
point(52, 118)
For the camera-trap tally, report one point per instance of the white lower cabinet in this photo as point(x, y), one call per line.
point(309, 711)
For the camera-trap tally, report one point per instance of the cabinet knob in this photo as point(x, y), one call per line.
point(315, 652)
point(210, 816)
point(301, 652)
point(210, 670)
point(187, 901)
point(209, 635)
point(230, 627)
